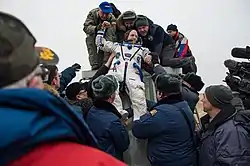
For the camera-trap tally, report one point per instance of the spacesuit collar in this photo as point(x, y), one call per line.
point(129, 42)
point(172, 99)
point(106, 106)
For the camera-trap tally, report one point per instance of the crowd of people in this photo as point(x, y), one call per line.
point(47, 120)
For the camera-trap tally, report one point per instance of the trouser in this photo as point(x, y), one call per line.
point(136, 93)
point(96, 59)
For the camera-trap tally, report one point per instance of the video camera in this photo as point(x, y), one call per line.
point(238, 77)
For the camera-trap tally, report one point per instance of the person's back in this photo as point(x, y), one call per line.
point(168, 126)
point(104, 119)
point(174, 145)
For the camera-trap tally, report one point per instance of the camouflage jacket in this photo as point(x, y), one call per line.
point(92, 21)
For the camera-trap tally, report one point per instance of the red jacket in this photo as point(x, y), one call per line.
point(66, 154)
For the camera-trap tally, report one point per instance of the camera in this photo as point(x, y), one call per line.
point(238, 77)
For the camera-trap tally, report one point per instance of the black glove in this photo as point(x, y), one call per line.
point(158, 69)
point(191, 59)
point(76, 66)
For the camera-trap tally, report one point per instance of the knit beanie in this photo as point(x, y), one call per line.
point(129, 15)
point(141, 21)
point(172, 27)
point(219, 95)
point(104, 86)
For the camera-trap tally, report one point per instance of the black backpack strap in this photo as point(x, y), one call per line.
point(196, 159)
point(188, 122)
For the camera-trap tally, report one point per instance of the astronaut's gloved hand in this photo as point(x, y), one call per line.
point(99, 38)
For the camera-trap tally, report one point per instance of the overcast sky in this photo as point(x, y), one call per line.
point(213, 27)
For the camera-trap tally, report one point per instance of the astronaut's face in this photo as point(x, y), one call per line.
point(133, 36)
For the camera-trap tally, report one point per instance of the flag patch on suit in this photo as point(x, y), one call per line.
point(128, 55)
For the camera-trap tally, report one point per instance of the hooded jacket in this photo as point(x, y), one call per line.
point(225, 140)
point(31, 117)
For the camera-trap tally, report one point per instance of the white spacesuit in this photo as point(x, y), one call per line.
point(126, 67)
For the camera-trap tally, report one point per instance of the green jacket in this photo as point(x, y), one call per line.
point(91, 25)
point(93, 22)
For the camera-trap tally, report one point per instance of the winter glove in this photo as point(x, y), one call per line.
point(76, 67)
point(99, 38)
point(191, 59)
point(158, 69)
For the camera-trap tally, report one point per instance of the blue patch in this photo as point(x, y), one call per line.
point(138, 59)
point(128, 55)
point(117, 55)
point(129, 46)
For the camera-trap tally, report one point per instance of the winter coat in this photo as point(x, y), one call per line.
point(181, 45)
point(31, 117)
point(50, 89)
point(104, 121)
point(58, 154)
point(225, 140)
point(103, 70)
point(157, 39)
point(91, 26)
point(82, 107)
point(169, 139)
point(190, 96)
point(67, 76)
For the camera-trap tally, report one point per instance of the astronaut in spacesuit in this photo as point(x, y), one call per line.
point(126, 67)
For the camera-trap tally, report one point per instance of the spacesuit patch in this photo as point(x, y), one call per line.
point(128, 55)
point(117, 55)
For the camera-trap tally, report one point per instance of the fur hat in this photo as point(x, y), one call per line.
point(172, 27)
point(18, 57)
point(194, 80)
point(168, 83)
point(104, 86)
